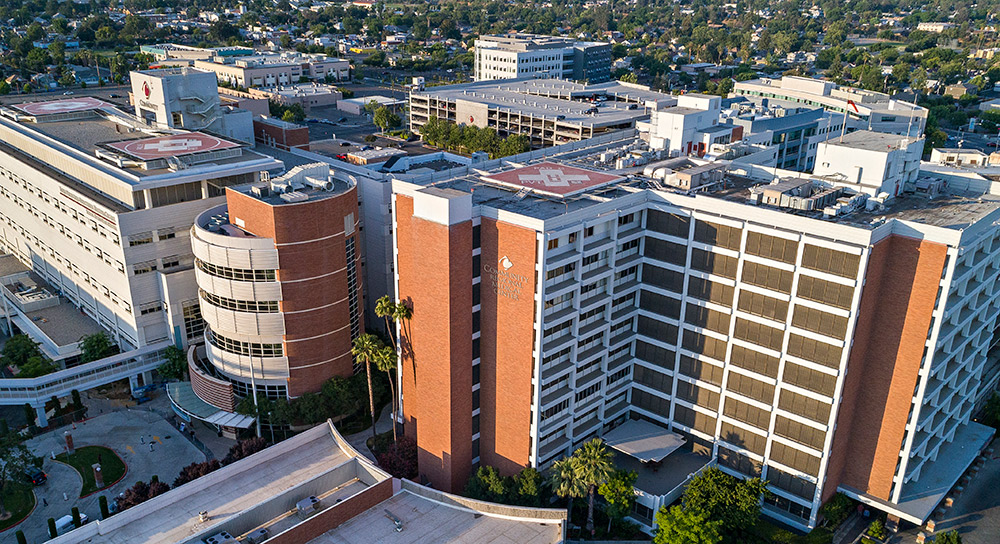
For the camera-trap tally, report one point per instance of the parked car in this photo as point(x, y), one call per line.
point(36, 476)
point(65, 523)
point(67, 93)
point(345, 144)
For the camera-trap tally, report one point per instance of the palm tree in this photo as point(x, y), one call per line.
point(366, 348)
point(564, 477)
point(594, 464)
point(403, 313)
point(385, 360)
point(385, 308)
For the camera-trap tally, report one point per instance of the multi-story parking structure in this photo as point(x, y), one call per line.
point(279, 282)
point(808, 332)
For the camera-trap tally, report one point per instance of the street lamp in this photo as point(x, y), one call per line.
point(270, 423)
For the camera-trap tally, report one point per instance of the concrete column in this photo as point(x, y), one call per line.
point(133, 382)
point(147, 377)
point(42, 420)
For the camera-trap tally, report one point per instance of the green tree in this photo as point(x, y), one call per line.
point(175, 364)
point(77, 522)
point(876, 529)
point(103, 504)
point(68, 78)
point(366, 348)
point(35, 367)
point(630, 77)
point(991, 412)
point(386, 309)
point(57, 50)
point(684, 526)
point(565, 481)
point(594, 464)
point(15, 460)
point(619, 492)
point(4, 88)
point(385, 361)
point(733, 501)
point(385, 119)
point(52, 528)
point(21, 539)
point(94, 347)
point(951, 537)
point(527, 487)
point(19, 348)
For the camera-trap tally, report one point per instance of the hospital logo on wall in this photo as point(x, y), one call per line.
point(505, 263)
point(146, 91)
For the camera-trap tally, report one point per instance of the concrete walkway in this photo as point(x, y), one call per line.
point(851, 528)
point(128, 433)
point(382, 425)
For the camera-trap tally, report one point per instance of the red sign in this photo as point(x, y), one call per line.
point(145, 89)
point(82, 103)
point(172, 146)
point(553, 178)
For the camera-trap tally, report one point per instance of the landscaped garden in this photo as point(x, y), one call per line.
point(18, 500)
point(83, 460)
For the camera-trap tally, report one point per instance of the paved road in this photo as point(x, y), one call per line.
point(128, 433)
point(975, 514)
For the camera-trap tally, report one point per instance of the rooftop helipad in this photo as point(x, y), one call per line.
point(552, 179)
point(68, 105)
point(174, 145)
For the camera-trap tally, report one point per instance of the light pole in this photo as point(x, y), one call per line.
point(270, 423)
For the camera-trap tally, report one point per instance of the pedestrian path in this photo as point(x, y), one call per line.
point(382, 425)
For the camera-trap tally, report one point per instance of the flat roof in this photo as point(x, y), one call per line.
point(871, 141)
point(10, 265)
point(643, 440)
point(174, 145)
point(66, 105)
point(430, 521)
point(64, 323)
point(553, 179)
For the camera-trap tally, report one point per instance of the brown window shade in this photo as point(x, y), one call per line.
point(755, 361)
point(768, 277)
point(651, 403)
point(653, 379)
point(694, 419)
point(739, 462)
point(654, 354)
point(791, 457)
point(810, 379)
point(705, 345)
point(701, 370)
point(660, 304)
point(699, 316)
point(667, 252)
point(771, 247)
point(758, 333)
point(749, 387)
point(830, 261)
point(663, 278)
point(814, 350)
point(743, 438)
point(803, 434)
point(827, 292)
point(713, 263)
point(710, 291)
point(819, 321)
point(747, 413)
point(668, 223)
point(657, 330)
point(697, 395)
point(804, 406)
point(763, 305)
point(717, 235)
point(790, 483)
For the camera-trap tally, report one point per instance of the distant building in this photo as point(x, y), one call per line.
point(307, 95)
point(516, 56)
point(959, 157)
point(934, 27)
point(356, 106)
point(165, 51)
point(268, 70)
point(958, 90)
point(871, 162)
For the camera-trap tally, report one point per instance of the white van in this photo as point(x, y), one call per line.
point(65, 523)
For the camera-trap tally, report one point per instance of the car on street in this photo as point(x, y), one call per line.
point(36, 476)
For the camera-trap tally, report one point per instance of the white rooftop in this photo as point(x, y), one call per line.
point(643, 440)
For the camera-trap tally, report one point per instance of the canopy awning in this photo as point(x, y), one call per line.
point(643, 440)
point(184, 399)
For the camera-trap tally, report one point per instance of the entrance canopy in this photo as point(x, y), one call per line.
point(184, 399)
point(643, 440)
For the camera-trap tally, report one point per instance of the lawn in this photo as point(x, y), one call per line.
point(112, 466)
point(18, 500)
point(767, 532)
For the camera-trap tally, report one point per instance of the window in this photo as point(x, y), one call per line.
point(151, 308)
point(660, 304)
point(693, 419)
point(804, 406)
point(564, 269)
point(194, 325)
point(717, 235)
point(700, 370)
point(165, 234)
point(657, 330)
point(236, 274)
point(758, 333)
point(710, 291)
point(697, 395)
point(656, 355)
point(814, 350)
point(790, 483)
point(653, 379)
point(827, 292)
point(663, 278)
point(819, 321)
point(742, 438)
point(713, 263)
point(140, 239)
point(707, 318)
point(668, 223)
point(553, 243)
point(754, 361)
point(705, 345)
point(763, 306)
point(143, 268)
point(251, 349)
point(651, 403)
point(171, 261)
point(626, 219)
point(791, 457)
point(253, 306)
point(807, 378)
point(751, 388)
point(768, 277)
point(667, 252)
point(831, 261)
point(739, 462)
point(803, 434)
point(747, 413)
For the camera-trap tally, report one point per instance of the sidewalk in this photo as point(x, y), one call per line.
point(382, 425)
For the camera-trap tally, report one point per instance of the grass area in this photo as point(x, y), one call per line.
point(767, 532)
point(18, 500)
point(112, 466)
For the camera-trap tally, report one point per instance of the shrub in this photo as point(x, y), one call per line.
point(400, 458)
point(244, 448)
point(877, 530)
point(196, 470)
point(837, 509)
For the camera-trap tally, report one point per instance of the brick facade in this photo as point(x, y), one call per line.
point(336, 515)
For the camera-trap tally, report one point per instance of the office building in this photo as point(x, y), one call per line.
point(794, 134)
point(824, 334)
point(865, 109)
point(279, 283)
point(515, 56)
point(270, 69)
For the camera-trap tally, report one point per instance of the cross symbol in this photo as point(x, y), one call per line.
point(179, 144)
point(553, 177)
point(61, 105)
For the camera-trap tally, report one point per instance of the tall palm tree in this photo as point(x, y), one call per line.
point(403, 313)
point(386, 308)
point(385, 360)
point(366, 348)
point(564, 477)
point(594, 464)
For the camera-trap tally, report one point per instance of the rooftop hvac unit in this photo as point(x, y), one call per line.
point(324, 184)
point(257, 537)
point(221, 538)
point(260, 191)
point(294, 196)
point(281, 188)
point(307, 507)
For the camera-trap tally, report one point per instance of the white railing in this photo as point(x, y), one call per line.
point(36, 391)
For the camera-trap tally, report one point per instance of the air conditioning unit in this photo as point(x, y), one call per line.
point(221, 538)
point(281, 188)
point(324, 184)
point(256, 537)
point(307, 507)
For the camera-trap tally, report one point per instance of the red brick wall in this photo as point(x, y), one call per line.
point(893, 319)
point(336, 515)
point(311, 244)
point(215, 392)
point(282, 138)
point(506, 344)
point(436, 281)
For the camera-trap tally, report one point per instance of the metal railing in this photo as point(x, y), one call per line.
point(36, 391)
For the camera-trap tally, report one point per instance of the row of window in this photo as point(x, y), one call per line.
point(254, 306)
point(250, 349)
point(236, 274)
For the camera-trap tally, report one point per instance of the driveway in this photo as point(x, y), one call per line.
point(128, 433)
point(976, 513)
